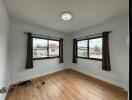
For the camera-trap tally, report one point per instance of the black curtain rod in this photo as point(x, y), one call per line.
point(92, 35)
point(38, 35)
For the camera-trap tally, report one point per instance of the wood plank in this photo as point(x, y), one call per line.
point(69, 85)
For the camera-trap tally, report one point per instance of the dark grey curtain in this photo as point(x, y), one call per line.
point(74, 59)
point(106, 56)
point(61, 51)
point(29, 62)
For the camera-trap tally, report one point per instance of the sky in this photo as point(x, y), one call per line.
point(39, 41)
point(43, 42)
point(92, 42)
point(83, 43)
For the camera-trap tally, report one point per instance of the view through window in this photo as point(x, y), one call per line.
point(44, 48)
point(82, 48)
point(90, 48)
point(95, 48)
point(40, 47)
point(53, 48)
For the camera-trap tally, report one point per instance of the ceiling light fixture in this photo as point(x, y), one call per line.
point(66, 16)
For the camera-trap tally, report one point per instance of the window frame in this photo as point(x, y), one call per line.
point(98, 59)
point(40, 58)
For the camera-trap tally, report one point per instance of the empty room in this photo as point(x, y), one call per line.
point(64, 50)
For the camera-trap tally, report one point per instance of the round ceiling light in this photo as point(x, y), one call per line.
point(66, 16)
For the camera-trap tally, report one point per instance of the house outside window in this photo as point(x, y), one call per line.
point(45, 48)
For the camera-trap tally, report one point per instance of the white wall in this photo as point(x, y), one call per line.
point(4, 47)
point(18, 53)
point(119, 53)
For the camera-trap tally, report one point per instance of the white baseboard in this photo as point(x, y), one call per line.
point(3, 97)
point(126, 88)
point(36, 76)
point(100, 78)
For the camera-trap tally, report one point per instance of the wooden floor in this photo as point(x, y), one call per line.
point(69, 85)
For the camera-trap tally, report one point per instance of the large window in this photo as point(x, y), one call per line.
point(90, 48)
point(45, 48)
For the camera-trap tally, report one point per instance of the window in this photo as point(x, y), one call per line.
point(95, 48)
point(82, 48)
point(53, 48)
point(90, 48)
point(40, 48)
point(45, 48)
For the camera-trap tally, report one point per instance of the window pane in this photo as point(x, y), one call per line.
point(82, 43)
point(40, 48)
point(95, 48)
point(82, 48)
point(53, 48)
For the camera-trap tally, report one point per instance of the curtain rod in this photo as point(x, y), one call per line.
point(92, 35)
point(38, 35)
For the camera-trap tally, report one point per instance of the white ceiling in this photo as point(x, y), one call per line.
point(46, 13)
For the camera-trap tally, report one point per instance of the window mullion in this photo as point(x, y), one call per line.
point(48, 48)
point(88, 48)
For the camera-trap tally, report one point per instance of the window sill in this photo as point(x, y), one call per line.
point(90, 58)
point(83, 57)
point(44, 58)
point(95, 59)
